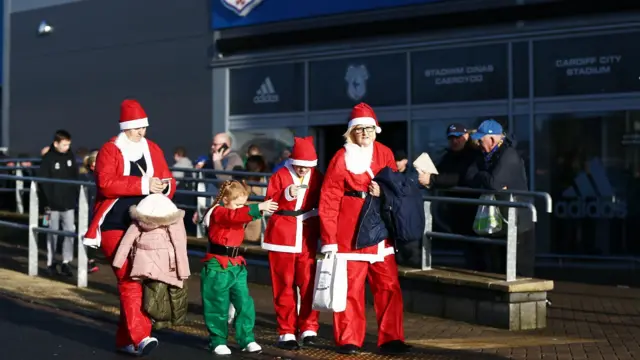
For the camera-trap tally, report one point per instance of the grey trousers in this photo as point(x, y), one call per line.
point(68, 224)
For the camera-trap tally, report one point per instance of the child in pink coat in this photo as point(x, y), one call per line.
point(156, 242)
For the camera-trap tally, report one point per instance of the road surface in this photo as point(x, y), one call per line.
point(31, 332)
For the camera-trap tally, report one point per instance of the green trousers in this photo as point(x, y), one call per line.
point(219, 287)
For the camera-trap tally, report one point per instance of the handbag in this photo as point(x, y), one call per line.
point(330, 286)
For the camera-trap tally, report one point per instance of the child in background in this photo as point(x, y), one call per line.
point(224, 276)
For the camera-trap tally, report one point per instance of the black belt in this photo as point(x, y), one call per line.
point(358, 194)
point(290, 212)
point(229, 251)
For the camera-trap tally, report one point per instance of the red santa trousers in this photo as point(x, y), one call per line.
point(289, 271)
point(134, 324)
point(349, 326)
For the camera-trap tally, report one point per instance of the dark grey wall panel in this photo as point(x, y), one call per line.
point(102, 51)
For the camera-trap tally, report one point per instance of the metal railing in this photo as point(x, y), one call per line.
point(200, 182)
point(33, 227)
point(512, 227)
point(83, 221)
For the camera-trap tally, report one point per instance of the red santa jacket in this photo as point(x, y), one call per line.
point(113, 180)
point(226, 227)
point(293, 234)
point(338, 212)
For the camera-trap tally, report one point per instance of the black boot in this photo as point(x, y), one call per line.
point(349, 349)
point(289, 345)
point(65, 270)
point(395, 347)
point(53, 270)
point(310, 340)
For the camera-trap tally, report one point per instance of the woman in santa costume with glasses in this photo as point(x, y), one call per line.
point(292, 240)
point(346, 184)
point(128, 168)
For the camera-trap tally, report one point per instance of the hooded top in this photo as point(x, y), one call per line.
point(156, 242)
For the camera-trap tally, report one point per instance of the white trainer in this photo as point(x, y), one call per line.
point(222, 350)
point(253, 347)
point(129, 349)
point(147, 345)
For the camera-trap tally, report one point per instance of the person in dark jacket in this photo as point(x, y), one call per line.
point(500, 167)
point(87, 173)
point(60, 200)
point(452, 168)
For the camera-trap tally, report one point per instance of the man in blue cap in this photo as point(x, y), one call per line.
point(453, 168)
point(500, 167)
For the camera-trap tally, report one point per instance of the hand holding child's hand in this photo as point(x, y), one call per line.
point(268, 206)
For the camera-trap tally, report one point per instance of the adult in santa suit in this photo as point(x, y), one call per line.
point(128, 168)
point(292, 240)
point(346, 184)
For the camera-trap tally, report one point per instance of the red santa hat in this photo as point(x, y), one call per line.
point(362, 114)
point(304, 153)
point(132, 115)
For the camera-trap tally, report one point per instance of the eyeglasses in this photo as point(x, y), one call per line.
point(369, 130)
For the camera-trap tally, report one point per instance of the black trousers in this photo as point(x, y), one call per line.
point(525, 256)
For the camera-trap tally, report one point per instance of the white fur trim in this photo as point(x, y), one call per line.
point(372, 258)
point(144, 182)
point(287, 337)
point(134, 124)
point(308, 333)
point(93, 243)
point(123, 143)
point(357, 158)
point(297, 248)
point(207, 216)
point(305, 163)
point(364, 121)
point(167, 191)
point(329, 248)
point(287, 194)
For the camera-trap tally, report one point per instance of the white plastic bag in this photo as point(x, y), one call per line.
point(330, 286)
point(488, 218)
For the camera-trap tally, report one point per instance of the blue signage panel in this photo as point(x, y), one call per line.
point(234, 13)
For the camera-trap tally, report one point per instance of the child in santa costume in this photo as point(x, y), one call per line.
point(224, 276)
point(292, 240)
point(347, 183)
point(128, 168)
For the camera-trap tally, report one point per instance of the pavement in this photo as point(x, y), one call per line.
point(585, 322)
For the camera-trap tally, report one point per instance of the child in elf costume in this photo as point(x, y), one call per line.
point(224, 276)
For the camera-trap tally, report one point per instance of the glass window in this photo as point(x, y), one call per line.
point(430, 135)
point(270, 142)
point(589, 163)
point(520, 67)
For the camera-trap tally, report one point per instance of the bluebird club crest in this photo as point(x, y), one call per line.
point(356, 78)
point(241, 7)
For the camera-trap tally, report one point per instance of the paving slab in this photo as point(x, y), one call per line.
point(585, 321)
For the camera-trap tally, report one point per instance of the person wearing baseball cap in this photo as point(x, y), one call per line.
point(452, 168)
point(500, 167)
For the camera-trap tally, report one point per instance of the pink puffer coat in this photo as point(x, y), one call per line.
point(156, 242)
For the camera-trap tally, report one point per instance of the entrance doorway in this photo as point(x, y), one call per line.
point(330, 140)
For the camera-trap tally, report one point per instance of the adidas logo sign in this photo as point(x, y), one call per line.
point(266, 93)
point(592, 196)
